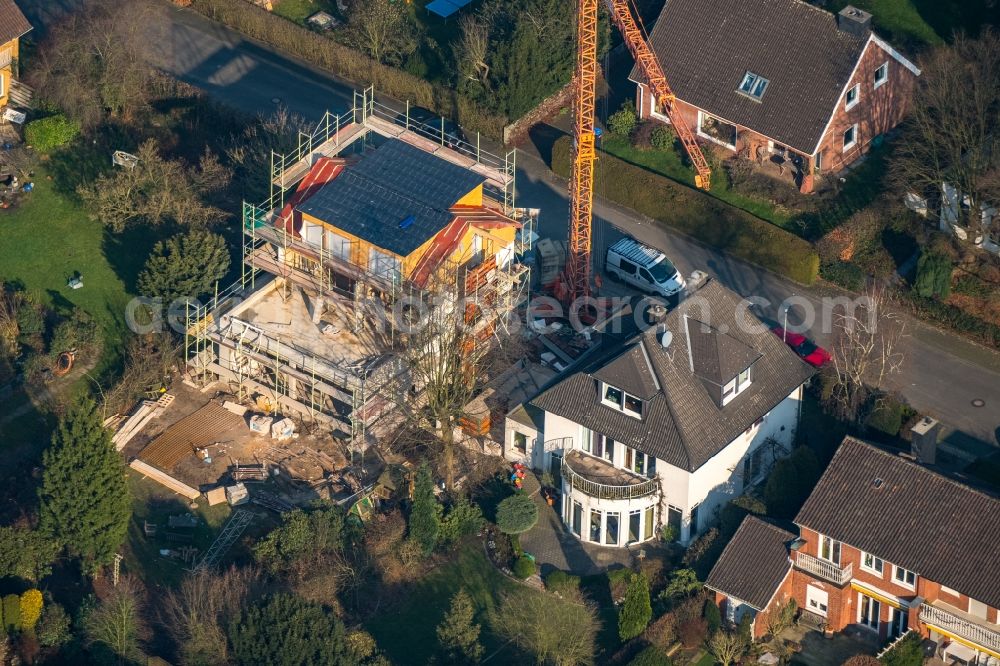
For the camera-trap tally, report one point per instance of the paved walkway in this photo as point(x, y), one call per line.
point(818, 650)
point(554, 547)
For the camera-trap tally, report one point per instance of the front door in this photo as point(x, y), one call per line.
point(817, 600)
point(899, 620)
point(868, 611)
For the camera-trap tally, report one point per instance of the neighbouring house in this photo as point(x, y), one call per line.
point(664, 429)
point(887, 545)
point(13, 26)
point(780, 80)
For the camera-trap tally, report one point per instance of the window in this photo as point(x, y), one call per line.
point(640, 463)
point(613, 396)
point(694, 520)
point(872, 563)
point(753, 466)
point(716, 130)
point(904, 577)
point(829, 550)
point(384, 265)
point(595, 526)
point(634, 526)
point(588, 437)
point(733, 388)
point(852, 96)
point(521, 442)
point(674, 520)
point(622, 401)
point(338, 246)
point(627, 266)
point(577, 518)
point(819, 161)
point(743, 380)
point(882, 74)
point(633, 405)
point(850, 137)
point(868, 611)
point(753, 85)
point(644, 274)
point(648, 531)
point(611, 528)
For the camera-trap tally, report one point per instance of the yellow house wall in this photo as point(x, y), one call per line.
point(7, 70)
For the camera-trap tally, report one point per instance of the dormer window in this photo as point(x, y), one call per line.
point(622, 401)
point(753, 85)
point(735, 386)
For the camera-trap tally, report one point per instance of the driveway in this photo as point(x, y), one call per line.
point(943, 375)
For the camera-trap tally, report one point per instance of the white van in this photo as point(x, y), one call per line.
point(643, 267)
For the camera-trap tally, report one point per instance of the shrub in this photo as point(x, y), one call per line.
point(907, 652)
point(699, 215)
point(933, 275)
point(516, 514)
point(524, 567)
point(946, 314)
point(47, 134)
point(463, 520)
point(692, 631)
point(54, 629)
point(974, 286)
point(623, 121)
point(31, 608)
point(662, 631)
point(887, 417)
point(651, 656)
point(12, 613)
point(683, 583)
point(562, 582)
point(662, 138)
point(669, 533)
point(790, 482)
point(844, 274)
point(636, 611)
point(712, 615)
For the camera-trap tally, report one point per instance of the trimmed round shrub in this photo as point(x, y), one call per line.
point(47, 134)
point(887, 417)
point(31, 609)
point(12, 613)
point(524, 567)
point(662, 138)
point(623, 121)
point(516, 514)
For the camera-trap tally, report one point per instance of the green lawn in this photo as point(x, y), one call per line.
point(668, 163)
point(901, 21)
point(300, 10)
point(406, 632)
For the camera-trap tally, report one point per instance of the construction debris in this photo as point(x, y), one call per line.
point(237, 494)
point(192, 433)
point(143, 414)
point(231, 531)
point(261, 424)
point(283, 429)
point(216, 496)
point(165, 479)
point(235, 408)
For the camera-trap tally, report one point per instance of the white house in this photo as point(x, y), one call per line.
point(664, 429)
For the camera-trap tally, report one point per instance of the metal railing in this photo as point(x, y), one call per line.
point(605, 491)
point(825, 570)
point(972, 631)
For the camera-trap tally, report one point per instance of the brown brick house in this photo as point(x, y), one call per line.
point(780, 80)
point(888, 545)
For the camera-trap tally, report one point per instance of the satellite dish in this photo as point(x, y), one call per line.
point(666, 339)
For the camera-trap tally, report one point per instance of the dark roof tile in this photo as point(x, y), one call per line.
point(13, 24)
point(753, 564)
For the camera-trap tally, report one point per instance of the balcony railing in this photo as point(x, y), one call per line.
point(963, 627)
point(825, 570)
point(604, 491)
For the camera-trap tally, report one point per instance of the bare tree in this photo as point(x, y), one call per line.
point(381, 29)
point(953, 134)
point(472, 47)
point(117, 621)
point(867, 349)
point(727, 647)
point(556, 631)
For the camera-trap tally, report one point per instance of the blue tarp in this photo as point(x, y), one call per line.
point(443, 8)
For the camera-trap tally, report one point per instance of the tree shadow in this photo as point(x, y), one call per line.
point(128, 250)
point(87, 157)
point(543, 136)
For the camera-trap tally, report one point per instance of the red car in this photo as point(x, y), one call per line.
point(808, 350)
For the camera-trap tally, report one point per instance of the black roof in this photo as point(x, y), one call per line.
point(682, 423)
point(753, 563)
point(705, 48)
point(910, 515)
point(397, 197)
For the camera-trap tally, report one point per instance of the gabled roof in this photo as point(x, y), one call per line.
point(682, 424)
point(753, 564)
point(13, 24)
point(705, 48)
point(397, 197)
point(716, 356)
point(907, 514)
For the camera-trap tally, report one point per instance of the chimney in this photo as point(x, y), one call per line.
point(923, 440)
point(656, 313)
point(854, 21)
point(696, 280)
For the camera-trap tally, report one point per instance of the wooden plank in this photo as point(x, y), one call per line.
point(194, 431)
point(164, 479)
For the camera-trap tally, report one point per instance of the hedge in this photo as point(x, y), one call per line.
point(47, 134)
point(703, 217)
point(955, 318)
point(349, 63)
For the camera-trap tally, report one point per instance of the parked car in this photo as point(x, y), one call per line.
point(427, 124)
point(643, 267)
point(808, 350)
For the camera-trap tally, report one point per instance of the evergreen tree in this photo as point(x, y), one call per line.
point(458, 635)
point(185, 265)
point(425, 516)
point(933, 275)
point(712, 615)
point(284, 629)
point(636, 610)
point(83, 500)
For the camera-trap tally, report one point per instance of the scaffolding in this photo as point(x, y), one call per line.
point(222, 344)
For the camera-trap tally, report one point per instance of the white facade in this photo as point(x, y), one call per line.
point(682, 494)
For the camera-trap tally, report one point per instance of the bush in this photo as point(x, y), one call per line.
point(955, 318)
point(651, 656)
point(636, 610)
point(669, 533)
point(47, 134)
point(662, 632)
point(907, 652)
point(887, 417)
point(623, 121)
point(692, 631)
point(699, 215)
point(790, 482)
point(844, 274)
point(524, 567)
point(31, 608)
point(974, 286)
point(54, 629)
point(712, 615)
point(516, 514)
point(562, 582)
point(351, 64)
point(663, 137)
point(933, 275)
point(12, 613)
point(463, 520)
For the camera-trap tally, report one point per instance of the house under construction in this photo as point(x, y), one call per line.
point(366, 219)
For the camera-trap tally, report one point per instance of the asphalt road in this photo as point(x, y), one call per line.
point(942, 375)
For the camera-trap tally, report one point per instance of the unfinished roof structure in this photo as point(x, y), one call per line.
point(364, 215)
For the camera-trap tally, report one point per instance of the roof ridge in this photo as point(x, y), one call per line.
point(764, 521)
